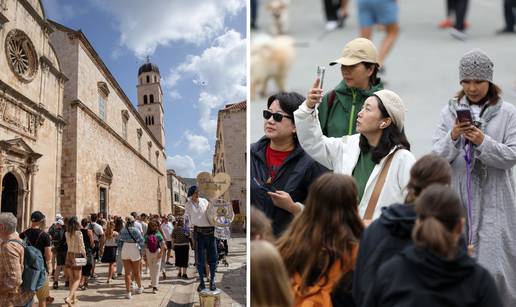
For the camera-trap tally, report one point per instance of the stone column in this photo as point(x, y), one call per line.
point(32, 169)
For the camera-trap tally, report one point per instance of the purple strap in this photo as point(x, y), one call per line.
point(467, 157)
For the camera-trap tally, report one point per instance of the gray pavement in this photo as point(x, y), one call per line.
point(422, 66)
point(173, 292)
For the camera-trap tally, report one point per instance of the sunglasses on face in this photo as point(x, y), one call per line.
point(278, 117)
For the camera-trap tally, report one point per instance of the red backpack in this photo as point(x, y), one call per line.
point(152, 243)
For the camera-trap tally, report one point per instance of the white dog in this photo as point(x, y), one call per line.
point(271, 57)
point(279, 11)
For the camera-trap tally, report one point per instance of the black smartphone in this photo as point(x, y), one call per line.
point(264, 186)
point(464, 115)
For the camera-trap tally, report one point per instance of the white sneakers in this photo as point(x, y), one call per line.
point(128, 295)
point(331, 25)
point(138, 290)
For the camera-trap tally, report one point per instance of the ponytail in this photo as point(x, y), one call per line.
point(432, 234)
point(439, 213)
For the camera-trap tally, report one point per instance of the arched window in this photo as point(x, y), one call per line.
point(151, 98)
point(146, 123)
point(155, 79)
point(144, 99)
point(148, 79)
point(152, 120)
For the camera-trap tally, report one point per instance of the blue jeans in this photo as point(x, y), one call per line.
point(29, 304)
point(206, 242)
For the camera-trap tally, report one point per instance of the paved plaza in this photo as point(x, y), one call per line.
point(173, 292)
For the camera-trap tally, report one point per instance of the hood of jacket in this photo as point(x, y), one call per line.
point(435, 271)
point(399, 219)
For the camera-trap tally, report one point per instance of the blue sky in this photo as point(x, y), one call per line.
point(199, 46)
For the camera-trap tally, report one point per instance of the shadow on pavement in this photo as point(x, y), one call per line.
point(233, 279)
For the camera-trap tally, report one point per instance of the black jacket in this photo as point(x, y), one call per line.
point(419, 277)
point(294, 176)
point(385, 237)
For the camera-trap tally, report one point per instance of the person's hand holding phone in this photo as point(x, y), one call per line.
point(474, 135)
point(459, 128)
point(314, 95)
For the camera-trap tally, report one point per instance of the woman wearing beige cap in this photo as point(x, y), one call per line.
point(378, 157)
point(339, 107)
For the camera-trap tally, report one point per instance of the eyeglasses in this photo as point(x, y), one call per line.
point(278, 117)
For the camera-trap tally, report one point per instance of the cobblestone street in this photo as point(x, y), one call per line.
point(231, 280)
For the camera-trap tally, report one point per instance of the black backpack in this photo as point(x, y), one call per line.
point(57, 233)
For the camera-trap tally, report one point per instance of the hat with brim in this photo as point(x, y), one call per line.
point(357, 51)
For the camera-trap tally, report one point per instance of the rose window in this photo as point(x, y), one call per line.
point(21, 55)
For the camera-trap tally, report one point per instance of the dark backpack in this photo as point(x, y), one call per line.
point(56, 232)
point(33, 276)
point(152, 243)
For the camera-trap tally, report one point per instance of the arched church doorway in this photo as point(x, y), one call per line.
point(10, 194)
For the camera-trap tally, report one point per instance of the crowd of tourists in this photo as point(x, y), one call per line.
point(67, 253)
point(345, 215)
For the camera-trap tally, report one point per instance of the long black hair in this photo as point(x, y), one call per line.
point(391, 136)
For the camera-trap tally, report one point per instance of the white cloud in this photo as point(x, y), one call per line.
point(183, 165)
point(60, 11)
point(220, 70)
point(144, 26)
point(197, 144)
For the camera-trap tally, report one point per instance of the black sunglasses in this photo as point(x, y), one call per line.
point(278, 117)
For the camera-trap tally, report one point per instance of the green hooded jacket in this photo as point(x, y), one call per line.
point(341, 119)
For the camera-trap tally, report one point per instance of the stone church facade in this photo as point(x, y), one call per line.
point(230, 155)
point(71, 142)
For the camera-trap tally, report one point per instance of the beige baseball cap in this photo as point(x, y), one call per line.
point(356, 51)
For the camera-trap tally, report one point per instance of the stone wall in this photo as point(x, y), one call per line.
point(232, 140)
point(31, 110)
point(91, 143)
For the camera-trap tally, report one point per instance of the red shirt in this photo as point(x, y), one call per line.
point(274, 160)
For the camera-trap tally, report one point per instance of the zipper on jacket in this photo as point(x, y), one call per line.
point(350, 129)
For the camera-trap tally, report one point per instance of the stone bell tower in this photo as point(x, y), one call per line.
point(150, 99)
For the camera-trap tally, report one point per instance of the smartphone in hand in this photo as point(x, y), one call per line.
point(464, 115)
point(320, 74)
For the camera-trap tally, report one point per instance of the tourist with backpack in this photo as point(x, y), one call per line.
point(51, 229)
point(57, 234)
point(154, 248)
point(339, 107)
point(98, 236)
point(35, 236)
point(75, 257)
point(12, 262)
point(181, 239)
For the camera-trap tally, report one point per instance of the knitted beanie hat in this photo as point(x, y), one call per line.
point(394, 106)
point(476, 65)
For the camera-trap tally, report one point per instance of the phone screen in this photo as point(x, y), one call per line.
point(464, 116)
